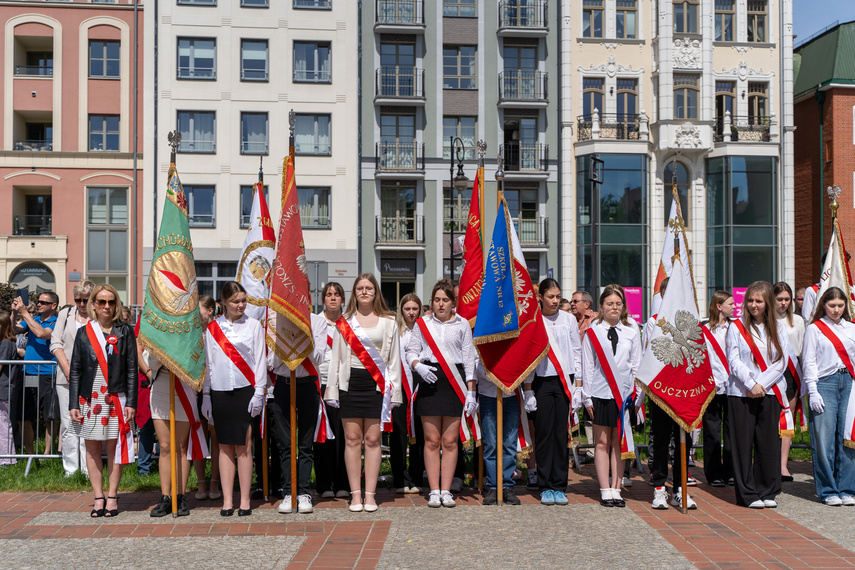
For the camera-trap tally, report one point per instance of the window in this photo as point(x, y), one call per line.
point(201, 205)
point(198, 131)
point(463, 127)
point(592, 95)
point(314, 207)
point(254, 3)
point(459, 9)
point(724, 13)
point(104, 132)
point(107, 237)
point(455, 212)
point(398, 70)
point(592, 18)
point(313, 4)
point(253, 133)
point(312, 135)
point(253, 60)
point(686, 16)
point(627, 95)
point(686, 96)
point(458, 67)
point(725, 93)
point(104, 57)
point(397, 222)
point(210, 277)
point(38, 63)
point(246, 197)
point(312, 62)
point(520, 79)
point(197, 58)
point(626, 19)
point(198, 2)
point(522, 206)
point(757, 21)
point(682, 182)
point(757, 98)
point(397, 141)
point(521, 148)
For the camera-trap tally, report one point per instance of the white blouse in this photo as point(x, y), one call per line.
point(564, 329)
point(795, 333)
point(719, 372)
point(457, 337)
point(744, 373)
point(324, 366)
point(247, 336)
point(819, 358)
point(627, 359)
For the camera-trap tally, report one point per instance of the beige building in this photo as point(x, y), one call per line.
point(226, 75)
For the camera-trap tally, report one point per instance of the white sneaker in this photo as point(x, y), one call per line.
point(758, 504)
point(447, 499)
point(677, 501)
point(660, 498)
point(847, 500)
point(770, 503)
point(285, 505)
point(833, 501)
point(434, 500)
point(626, 482)
point(304, 504)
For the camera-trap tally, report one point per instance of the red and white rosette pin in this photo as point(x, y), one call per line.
point(111, 343)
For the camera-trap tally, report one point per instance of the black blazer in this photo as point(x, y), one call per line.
point(121, 367)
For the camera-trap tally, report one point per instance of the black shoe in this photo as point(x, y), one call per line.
point(257, 494)
point(731, 482)
point(163, 507)
point(490, 497)
point(618, 503)
point(786, 478)
point(509, 497)
point(607, 502)
point(244, 512)
point(227, 512)
point(183, 507)
point(280, 494)
point(717, 483)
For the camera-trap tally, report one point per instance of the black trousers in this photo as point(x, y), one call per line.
point(718, 463)
point(330, 474)
point(662, 428)
point(398, 445)
point(550, 428)
point(307, 418)
point(756, 447)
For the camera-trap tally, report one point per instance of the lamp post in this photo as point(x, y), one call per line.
point(460, 183)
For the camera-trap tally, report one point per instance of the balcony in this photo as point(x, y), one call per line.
point(191, 146)
point(522, 88)
point(399, 231)
point(523, 18)
point(399, 85)
point(33, 145)
point(248, 147)
point(400, 159)
point(399, 16)
point(752, 128)
point(34, 71)
point(31, 225)
point(532, 232)
point(612, 126)
point(525, 160)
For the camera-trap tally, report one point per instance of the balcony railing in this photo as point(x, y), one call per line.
point(34, 145)
point(612, 126)
point(533, 157)
point(313, 4)
point(399, 230)
point(522, 85)
point(247, 147)
point(200, 146)
point(197, 72)
point(36, 70)
point(399, 82)
point(532, 231)
point(202, 220)
point(752, 128)
point(524, 14)
point(400, 157)
point(32, 226)
point(400, 12)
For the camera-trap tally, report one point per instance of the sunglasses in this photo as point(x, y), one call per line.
point(84, 301)
point(102, 302)
point(40, 302)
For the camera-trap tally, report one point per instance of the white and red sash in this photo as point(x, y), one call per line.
point(323, 429)
point(843, 353)
point(469, 427)
point(370, 358)
point(409, 397)
point(786, 426)
point(197, 447)
point(125, 441)
point(231, 352)
point(796, 372)
point(524, 443)
point(556, 357)
point(607, 363)
point(713, 342)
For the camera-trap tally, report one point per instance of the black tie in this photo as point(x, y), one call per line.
point(614, 338)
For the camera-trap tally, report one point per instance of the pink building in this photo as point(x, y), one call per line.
point(70, 187)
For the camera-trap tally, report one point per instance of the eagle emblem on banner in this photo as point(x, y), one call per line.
point(683, 344)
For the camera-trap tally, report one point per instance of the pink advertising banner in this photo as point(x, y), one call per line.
point(634, 302)
point(738, 301)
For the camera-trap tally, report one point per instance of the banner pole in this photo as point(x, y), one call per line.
point(293, 394)
point(480, 464)
point(500, 473)
point(265, 467)
point(684, 473)
point(173, 463)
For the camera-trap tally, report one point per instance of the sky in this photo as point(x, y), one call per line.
point(810, 16)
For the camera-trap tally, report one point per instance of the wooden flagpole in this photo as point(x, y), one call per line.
point(500, 397)
point(173, 463)
point(684, 471)
point(292, 387)
point(265, 467)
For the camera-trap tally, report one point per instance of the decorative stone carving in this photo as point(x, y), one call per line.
point(688, 136)
point(610, 45)
point(687, 53)
point(743, 72)
point(612, 68)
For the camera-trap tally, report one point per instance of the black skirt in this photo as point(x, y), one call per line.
point(231, 414)
point(362, 398)
point(439, 398)
point(605, 412)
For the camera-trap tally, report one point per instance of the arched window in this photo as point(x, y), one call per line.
point(682, 182)
point(686, 93)
point(592, 95)
point(757, 99)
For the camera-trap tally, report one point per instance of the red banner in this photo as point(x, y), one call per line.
point(472, 279)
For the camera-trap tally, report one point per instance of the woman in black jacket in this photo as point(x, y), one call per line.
point(103, 393)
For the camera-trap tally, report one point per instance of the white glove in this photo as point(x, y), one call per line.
point(639, 399)
point(395, 404)
point(530, 401)
point(206, 408)
point(816, 402)
point(576, 401)
point(426, 372)
point(332, 403)
point(471, 405)
point(256, 405)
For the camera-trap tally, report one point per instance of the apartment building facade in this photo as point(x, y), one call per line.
point(70, 157)
point(226, 75)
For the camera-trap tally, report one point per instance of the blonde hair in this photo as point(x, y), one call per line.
point(117, 308)
point(83, 287)
point(380, 308)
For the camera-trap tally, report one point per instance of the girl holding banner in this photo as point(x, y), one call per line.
point(233, 392)
point(758, 413)
point(405, 427)
point(829, 351)
point(365, 382)
point(442, 354)
point(103, 393)
point(611, 353)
